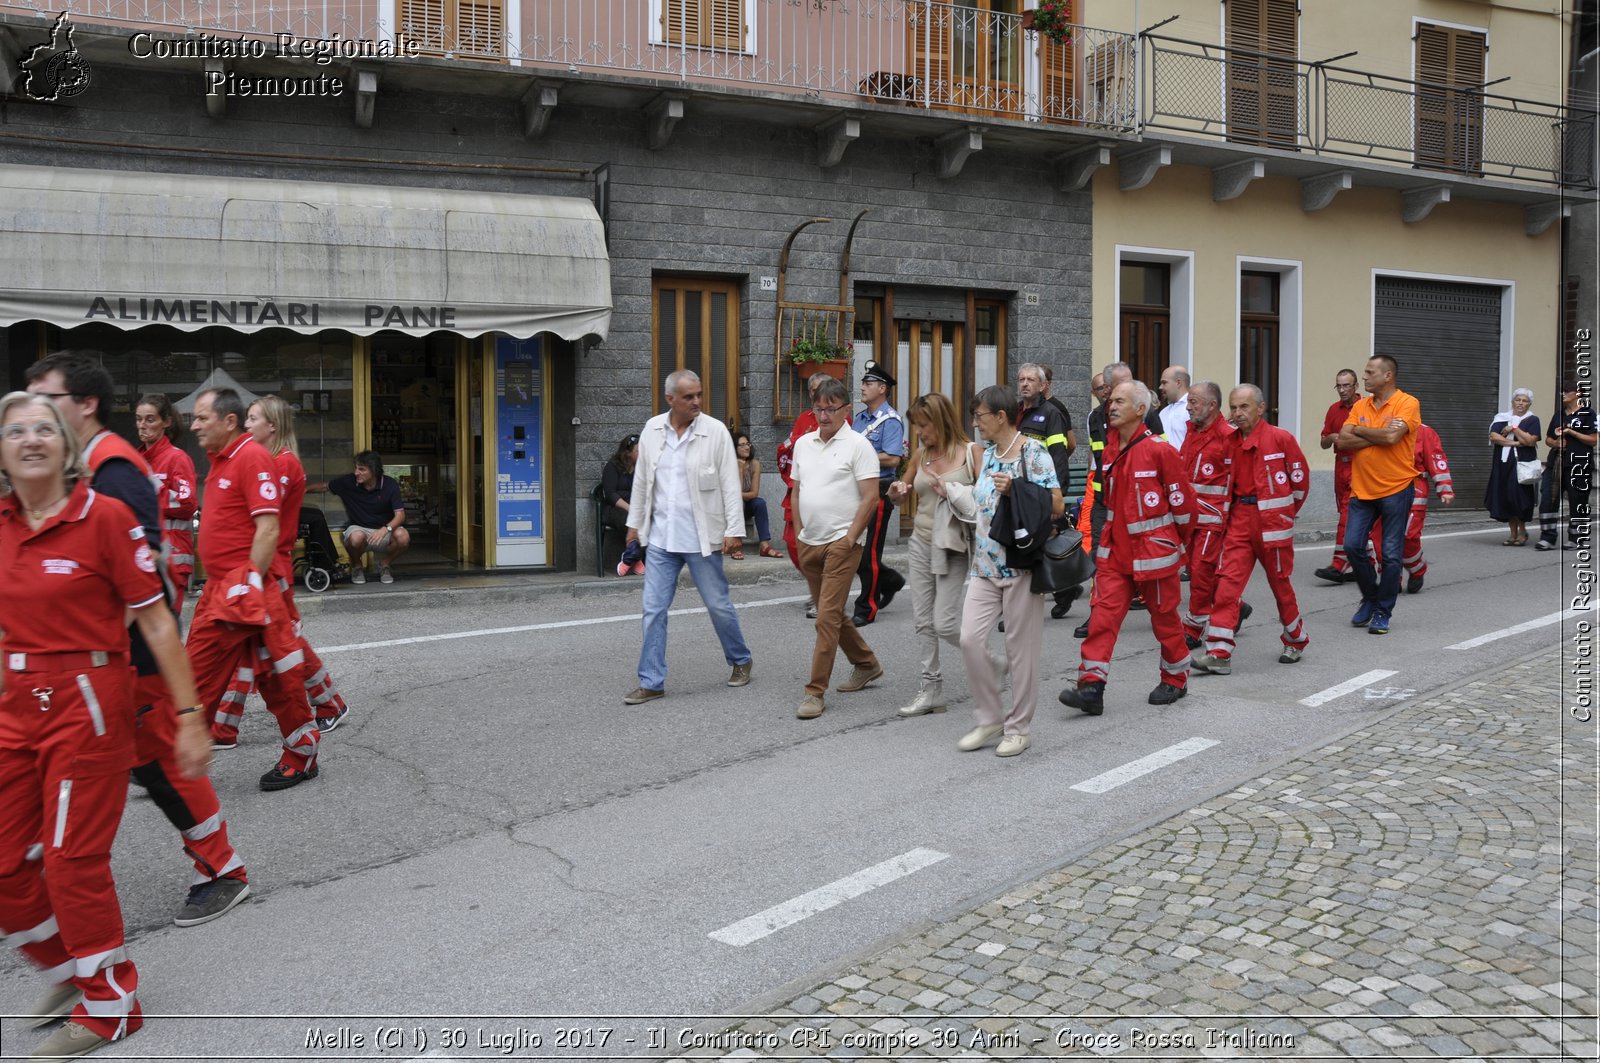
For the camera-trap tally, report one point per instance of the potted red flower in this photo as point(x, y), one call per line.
point(1049, 20)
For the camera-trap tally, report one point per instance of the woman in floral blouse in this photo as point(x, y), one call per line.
point(996, 592)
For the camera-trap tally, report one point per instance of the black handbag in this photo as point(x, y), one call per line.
point(1063, 563)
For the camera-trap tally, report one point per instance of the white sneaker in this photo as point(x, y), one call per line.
point(384, 575)
point(1011, 745)
point(979, 737)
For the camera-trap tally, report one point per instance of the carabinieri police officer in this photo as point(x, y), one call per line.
point(884, 429)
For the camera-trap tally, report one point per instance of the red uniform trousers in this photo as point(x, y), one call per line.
point(326, 701)
point(1411, 557)
point(790, 532)
point(64, 759)
point(190, 804)
point(1205, 551)
point(1114, 590)
point(1241, 549)
point(1341, 496)
point(230, 660)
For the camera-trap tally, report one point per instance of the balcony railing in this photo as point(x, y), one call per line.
point(1279, 102)
point(921, 54)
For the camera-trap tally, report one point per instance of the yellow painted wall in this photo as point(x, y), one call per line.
point(1338, 247)
point(1528, 40)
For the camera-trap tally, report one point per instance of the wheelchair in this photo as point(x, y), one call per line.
point(318, 567)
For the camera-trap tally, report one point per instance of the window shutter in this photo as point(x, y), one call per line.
point(423, 22)
point(727, 24)
point(1449, 106)
point(1057, 83)
point(480, 27)
point(929, 28)
point(680, 21)
point(1262, 77)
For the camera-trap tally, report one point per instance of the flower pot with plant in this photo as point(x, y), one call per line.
point(1049, 20)
point(818, 354)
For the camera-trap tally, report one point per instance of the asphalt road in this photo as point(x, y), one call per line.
point(495, 833)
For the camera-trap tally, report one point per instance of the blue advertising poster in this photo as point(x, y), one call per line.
point(519, 452)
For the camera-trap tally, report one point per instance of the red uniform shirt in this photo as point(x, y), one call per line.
point(1205, 457)
point(175, 472)
point(291, 493)
point(241, 486)
point(65, 587)
point(1432, 465)
point(1337, 414)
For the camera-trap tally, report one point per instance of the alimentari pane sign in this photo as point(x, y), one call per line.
point(270, 313)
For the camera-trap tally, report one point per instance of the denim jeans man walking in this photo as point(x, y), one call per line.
point(686, 509)
point(1380, 432)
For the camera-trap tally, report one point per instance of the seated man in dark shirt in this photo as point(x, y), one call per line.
point(376, 514)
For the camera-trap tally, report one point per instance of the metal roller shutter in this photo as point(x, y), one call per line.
point(1447, 339)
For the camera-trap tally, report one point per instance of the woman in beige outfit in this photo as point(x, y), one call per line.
point(939, 478)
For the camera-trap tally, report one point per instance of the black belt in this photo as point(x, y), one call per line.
point(1244, 500)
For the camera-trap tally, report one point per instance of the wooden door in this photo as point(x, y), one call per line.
point(1146, 342)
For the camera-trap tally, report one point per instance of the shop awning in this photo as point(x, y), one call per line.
point(132, 249)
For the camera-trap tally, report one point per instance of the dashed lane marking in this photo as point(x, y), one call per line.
point(552, 625)
point(1517, 629)
point(1349, 686)
point(821, 899)
point(1110, 780)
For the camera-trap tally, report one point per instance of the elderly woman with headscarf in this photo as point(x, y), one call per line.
point(1515, 436)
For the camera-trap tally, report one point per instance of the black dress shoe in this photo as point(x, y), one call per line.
point(1192, 642)
point(1244, 611)
point(1060, 609)
point(1413, 584)
point(1085, 697)
point(1138, 602)
point(1166, 694)
point(886, 594)
point(1331, 574)
point(860, 619)
point(1081, 631)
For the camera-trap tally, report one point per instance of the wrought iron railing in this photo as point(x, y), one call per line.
point(1280, 102)
point(923, 54)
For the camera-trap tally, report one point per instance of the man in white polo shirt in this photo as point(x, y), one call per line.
point(835, 477)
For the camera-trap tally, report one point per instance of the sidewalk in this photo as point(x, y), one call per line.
point(1423, 888)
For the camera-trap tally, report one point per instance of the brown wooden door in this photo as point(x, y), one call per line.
point(1146, 342)
point(1258, 336)
point(1262, 76)
point(1449, 100)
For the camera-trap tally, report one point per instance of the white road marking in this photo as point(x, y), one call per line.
point(550, 626)
point(1134, 769)
point(821, 899)
point(1349, 686)
point(1388, 693)
point(1329, 544)
point(1517, 629)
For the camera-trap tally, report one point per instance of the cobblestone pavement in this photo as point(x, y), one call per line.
point(1424, 888)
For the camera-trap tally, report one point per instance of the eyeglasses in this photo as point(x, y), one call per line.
point(986, 413)
point(826, 411)
point(42, 430)
point(73, 395)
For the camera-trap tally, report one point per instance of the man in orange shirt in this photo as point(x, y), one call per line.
point(1381, 435)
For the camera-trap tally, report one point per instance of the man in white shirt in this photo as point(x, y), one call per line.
point(835, 477)
point(686, 509)
point(1175, 414)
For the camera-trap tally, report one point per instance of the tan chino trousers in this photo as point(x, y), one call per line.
point(830, 572)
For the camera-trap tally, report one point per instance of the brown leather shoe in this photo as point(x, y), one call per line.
point(641, 695)
point(860, 677)
point(741, 674)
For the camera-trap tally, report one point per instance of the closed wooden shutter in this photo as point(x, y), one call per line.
point(1449, 101)
point(928, 26)
point(1057, 81)
point(422, 21)
point(1262, 76)
point(1447, 339)
point(704, 23)
point(473, 28)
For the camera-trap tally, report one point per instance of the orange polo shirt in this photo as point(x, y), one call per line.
point(1379, 471)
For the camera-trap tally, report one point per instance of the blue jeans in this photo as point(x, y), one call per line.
point(661, 568)
point(757, 507)
point(1394, 510)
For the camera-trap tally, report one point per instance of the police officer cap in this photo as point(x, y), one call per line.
point(874, 371)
